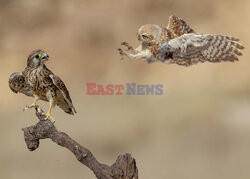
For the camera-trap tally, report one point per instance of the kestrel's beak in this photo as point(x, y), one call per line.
point(45, 57)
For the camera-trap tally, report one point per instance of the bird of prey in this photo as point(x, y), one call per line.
point(178, 43)
point(39, 82)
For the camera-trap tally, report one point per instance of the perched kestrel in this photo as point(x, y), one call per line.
point(178, 43)
point(39, 82)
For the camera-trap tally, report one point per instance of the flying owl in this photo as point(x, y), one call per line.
point(39, 82)
point(179, 43)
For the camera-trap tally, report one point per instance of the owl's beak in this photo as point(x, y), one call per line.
point(138, 37)
point(45, 57)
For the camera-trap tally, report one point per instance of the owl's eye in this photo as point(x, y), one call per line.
point(145, 37)
point(37, 56)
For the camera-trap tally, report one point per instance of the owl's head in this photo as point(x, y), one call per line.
point(149, 33)
point(37, 58)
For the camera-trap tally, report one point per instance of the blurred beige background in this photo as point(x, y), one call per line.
point(199, 128)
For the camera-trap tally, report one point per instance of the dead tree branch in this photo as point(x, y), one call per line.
point(123, 168)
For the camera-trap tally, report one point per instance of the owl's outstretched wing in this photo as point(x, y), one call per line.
point(192, 48)
point(64, 100)
point(177, 27)
point(18, 84)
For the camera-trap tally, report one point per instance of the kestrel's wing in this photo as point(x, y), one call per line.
point(64, 100)
point(192, 48)
point(18, 84)
point(178, 27)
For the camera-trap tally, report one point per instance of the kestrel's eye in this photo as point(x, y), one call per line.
point(37, 56)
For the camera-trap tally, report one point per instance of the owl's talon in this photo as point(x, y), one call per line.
point(121, 51)
point(124, 43)
point(127, 45)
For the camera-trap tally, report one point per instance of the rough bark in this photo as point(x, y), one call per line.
point(123, 168)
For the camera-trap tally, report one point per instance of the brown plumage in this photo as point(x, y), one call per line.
point(177, 27)
point(39, 82)
point(178, 43)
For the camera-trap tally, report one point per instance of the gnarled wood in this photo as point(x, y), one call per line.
point(123, 168)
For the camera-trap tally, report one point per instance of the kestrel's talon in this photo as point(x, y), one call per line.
point(33, 105)
point(29, 107)
point(48, 116)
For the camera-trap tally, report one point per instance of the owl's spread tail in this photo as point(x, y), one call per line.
point(222, 48)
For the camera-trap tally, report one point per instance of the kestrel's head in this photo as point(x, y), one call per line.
point(149, 33)
point(37, 58)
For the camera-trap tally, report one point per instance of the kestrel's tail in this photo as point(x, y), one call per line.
point(65, 107)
